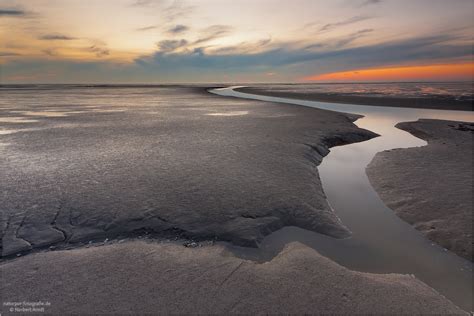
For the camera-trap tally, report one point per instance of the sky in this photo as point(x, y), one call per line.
point(204, 41)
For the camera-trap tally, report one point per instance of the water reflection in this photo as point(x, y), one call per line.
point(380, 241)
point(15, 119)
point(440, 90)
point(229, 113)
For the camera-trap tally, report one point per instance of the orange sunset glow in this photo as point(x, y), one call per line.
point(463, 71)
point(183, 41)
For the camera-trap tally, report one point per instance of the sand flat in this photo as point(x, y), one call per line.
point(427, 102)
point(236, 178)
point(431, 187)
point(143, 277)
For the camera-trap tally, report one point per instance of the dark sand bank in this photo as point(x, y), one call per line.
point(447, 103)
point(169, 161)
point(431, 187)
point(137, 277)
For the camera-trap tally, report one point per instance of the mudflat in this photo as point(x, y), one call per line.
point(431, 187)
point(81, 164)
point(429, 102)
point(136, 277)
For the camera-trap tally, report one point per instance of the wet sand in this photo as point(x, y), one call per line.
point(420, 102)
point(430, 187)
point(167, 161)
point(136, 277)
point(385, 243)
point(145, 168)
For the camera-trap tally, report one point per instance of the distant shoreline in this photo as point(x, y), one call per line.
point(422, 103)
point(439, 103)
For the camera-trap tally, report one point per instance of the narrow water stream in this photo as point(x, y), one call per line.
point(380, 242)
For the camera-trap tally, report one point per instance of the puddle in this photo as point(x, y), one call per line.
point(230, 113)
point(16, 119)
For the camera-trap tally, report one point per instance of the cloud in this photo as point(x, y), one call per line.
point(352, 20)
point(212, 32)
point(146, 3)
point(8, 54)
point(168, 46)
point(314, 45)
point(351, 38)
point(99, 51)
point(265, 41)
point(178, 9)
point(177, 29)
point(244, 47)
point(370, 2)
point(146, 28)
point(49, 52)
point(415, 50)
point(178, 61)
point(12, 12)
point(66, 71)
point(56, 37)
point(339, 42)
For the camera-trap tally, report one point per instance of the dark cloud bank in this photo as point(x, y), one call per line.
point(414, 50)
point(12, 12)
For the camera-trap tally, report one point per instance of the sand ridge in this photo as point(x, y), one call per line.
point(146, 277)
point(181, 171)
point(430, 187)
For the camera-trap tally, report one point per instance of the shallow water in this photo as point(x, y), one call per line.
point(380, 242)
point(437, 90)
point(15, 119)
